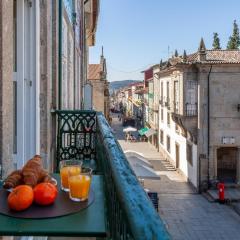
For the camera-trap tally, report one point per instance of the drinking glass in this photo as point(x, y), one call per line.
point(66, 166)
point(79, 184)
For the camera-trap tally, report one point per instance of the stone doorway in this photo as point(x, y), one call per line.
point(227, 164)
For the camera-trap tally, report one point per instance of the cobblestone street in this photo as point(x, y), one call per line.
point(187, 215)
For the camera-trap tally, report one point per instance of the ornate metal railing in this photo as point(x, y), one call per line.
point(175, 107)
point(130, 213)
point(191, 109)
point(167, 102)
point(76, 135)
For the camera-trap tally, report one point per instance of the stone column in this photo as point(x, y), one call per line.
point(6, 85)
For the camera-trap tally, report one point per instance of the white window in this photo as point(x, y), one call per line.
point(176, 96)
point(191, 98)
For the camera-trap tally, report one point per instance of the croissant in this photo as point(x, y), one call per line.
point(31, 174)
point(44, 176)
point(32, 171)
point(13, 180)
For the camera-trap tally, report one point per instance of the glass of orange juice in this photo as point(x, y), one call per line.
point(79, 185)
point(66, 166)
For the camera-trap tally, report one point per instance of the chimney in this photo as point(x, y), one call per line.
point(202, 54)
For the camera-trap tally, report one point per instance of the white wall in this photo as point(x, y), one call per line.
point(190, 171)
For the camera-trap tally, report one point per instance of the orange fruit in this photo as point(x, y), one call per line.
point(45, 193)
point(20, 198)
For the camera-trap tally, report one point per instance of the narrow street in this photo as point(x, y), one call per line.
point(187, 214)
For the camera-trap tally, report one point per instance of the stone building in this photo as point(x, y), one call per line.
point(199, 114)
point(43, 67)
point(137, 103)
point(97, 77)
point(151, 105)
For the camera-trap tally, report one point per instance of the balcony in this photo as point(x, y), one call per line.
point(191, 109)
point(176, 107)
point(167, 103)
point(161, 101)
point(130, 214)
point(187, 120)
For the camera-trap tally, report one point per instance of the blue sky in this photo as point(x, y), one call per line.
point(137, 33)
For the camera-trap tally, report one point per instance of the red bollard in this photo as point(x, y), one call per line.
point(221, 192)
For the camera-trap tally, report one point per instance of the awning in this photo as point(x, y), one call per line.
point(142, 131)
point(141, 166)
point(150, 132)
point(129, 129)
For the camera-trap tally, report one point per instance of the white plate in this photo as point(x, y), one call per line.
point(53, 179)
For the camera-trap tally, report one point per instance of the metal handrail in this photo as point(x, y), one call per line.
point(128, 200)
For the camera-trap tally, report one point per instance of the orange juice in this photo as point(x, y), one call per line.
point(74, 170)
point(79, 187)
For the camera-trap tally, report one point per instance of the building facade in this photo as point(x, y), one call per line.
point(97, 77)
point(199, 115)
point(43, 59)
point(151, 105)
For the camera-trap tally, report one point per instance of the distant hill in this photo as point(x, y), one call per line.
point(119, 84)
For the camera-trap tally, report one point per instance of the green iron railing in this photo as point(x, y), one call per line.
point(130, 213)
point(76, 135)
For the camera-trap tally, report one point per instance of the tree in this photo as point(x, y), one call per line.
point(176, 53)
point(216, 41)
point(234, 40)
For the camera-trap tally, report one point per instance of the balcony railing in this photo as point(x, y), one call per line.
point(167, 103)
point(176, 107)
point(129, 213)
point(191, 109)
point(161, 101)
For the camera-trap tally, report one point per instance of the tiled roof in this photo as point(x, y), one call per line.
point(217, 56)
point(94, 71)
point(212, 57)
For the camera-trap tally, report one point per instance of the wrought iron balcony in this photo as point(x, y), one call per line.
point(167, 103)
point(161, 101)
point(130, 214)
point(191, 109)
point(176, 107)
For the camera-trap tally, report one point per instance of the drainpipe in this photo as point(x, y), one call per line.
point(60, 55)
point(208, 122)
